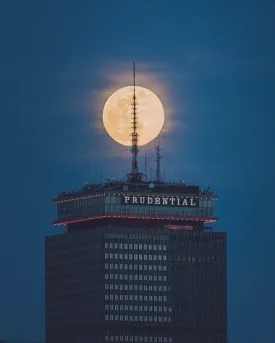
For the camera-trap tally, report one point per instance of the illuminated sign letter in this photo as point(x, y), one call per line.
point(178, 201)
point(126, 199)
point(172, 200)
point(157, 201)
point(134, 200)
point(149, 200)
point(164, 201)
point(142, 200)
point(192, 203)
point(185, 203)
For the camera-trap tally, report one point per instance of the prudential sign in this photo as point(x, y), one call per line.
point(159, 201)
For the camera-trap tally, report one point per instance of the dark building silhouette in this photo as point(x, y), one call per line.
point(137, 264)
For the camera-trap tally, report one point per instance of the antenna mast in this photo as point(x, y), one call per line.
point(135, 175)
point(158, 176)
point(145, 165)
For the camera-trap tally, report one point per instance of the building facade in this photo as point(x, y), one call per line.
point(136, 264)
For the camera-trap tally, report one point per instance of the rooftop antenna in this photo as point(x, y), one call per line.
point(145, 165)
point(158, 176)
point(135, 175)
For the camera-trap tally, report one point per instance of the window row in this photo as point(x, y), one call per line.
point(130, 338)
point(138, 308)
point(198, 259)
point(121, 317)
point(150, 288)
point(135, 277)
point(135, 297)
point(168, 211)
point(122, 266)
point(135, 257)
point(135, 246)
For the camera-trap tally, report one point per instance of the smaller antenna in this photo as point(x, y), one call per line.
point(145, 165)
point(158, 176)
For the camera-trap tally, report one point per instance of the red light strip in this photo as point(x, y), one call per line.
point(206, 220)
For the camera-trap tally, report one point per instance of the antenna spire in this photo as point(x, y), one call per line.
point(158, 175)
point(135, 175)
point(145, 165)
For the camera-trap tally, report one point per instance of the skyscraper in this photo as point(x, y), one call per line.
point(137, 263)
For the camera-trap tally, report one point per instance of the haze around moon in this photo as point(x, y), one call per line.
point(117, 115)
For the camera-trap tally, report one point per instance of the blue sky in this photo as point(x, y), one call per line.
point(212, 64)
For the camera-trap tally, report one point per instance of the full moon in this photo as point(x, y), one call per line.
point(117, 115)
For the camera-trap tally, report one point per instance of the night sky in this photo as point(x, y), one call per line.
point(213, 65)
